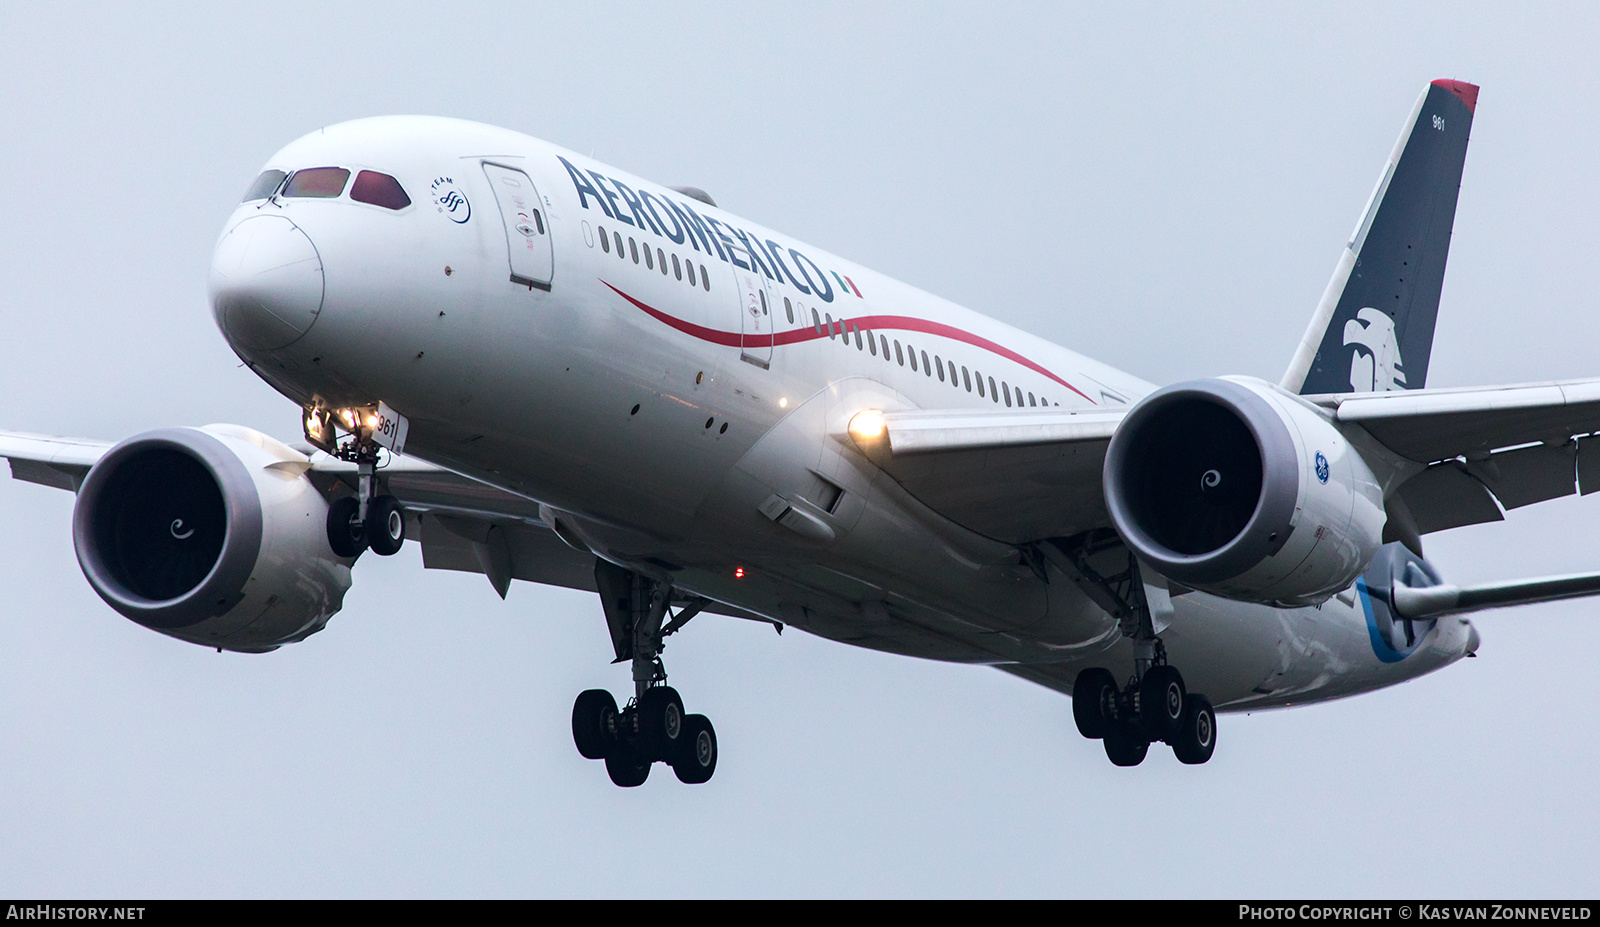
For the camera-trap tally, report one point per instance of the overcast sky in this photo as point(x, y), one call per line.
point(1167, 192)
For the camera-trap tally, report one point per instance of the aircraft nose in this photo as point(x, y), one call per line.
point(1471, 649)
point(266, 283)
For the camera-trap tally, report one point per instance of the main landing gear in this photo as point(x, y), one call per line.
point(652, 727)
point(365, 520)
point(1153, 706)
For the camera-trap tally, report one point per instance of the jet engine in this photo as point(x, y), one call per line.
point(211, 535)
point(1237, 488)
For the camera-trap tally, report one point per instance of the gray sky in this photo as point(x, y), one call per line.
point(1166, 192)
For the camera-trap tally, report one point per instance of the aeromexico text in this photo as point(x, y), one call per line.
point(678, 222)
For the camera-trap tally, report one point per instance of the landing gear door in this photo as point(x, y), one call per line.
point(755, 309)
point(527, 226)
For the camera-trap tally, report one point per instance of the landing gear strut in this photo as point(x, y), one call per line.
point(365, 520)
point(652, 727)
point(1151, 706)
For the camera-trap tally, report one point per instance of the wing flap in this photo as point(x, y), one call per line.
point(1431, 425)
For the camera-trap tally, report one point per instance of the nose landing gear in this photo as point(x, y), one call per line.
point(365, 520)
point(652, 727)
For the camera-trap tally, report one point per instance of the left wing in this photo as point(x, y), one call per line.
point(1013, 476)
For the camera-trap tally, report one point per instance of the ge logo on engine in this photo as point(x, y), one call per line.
point(1322, 468)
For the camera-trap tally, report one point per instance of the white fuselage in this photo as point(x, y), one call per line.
point(655, 417)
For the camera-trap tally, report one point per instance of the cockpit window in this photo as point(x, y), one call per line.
point(325, 182)
point(379, 190)
point(265, 185)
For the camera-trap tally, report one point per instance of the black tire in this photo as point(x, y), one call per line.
point(1196, 739)
point(1161, 695)
point(1090, 692)
point(594, 723)
point(660, 723)
point(386, 525)
point(345, 535)
point(626, 767)
point(1125, 748)
point(697, 751)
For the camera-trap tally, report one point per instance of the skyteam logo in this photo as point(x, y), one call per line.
point(451, 201)
point(1322, 468)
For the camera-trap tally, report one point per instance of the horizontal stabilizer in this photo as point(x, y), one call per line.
point(1416, 603)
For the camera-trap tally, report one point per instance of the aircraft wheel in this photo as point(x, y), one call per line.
point(345, 534)
point(594, 723)
point(1090, 692)
point(626, 767)
point(1196, 739)
point(661, 727)
point(697, 752)
point(1161, 702)
point(1125, 748)
point(386, 525)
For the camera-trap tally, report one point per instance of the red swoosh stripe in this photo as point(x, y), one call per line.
point(873, 322)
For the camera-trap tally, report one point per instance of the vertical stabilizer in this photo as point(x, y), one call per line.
point(1373, 329)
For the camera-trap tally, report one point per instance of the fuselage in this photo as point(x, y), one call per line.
point(656, 371)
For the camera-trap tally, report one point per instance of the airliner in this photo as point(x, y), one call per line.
point(542, 368)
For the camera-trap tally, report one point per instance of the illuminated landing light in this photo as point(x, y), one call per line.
point(738, 572)
point(868, 426)
point(783, 403)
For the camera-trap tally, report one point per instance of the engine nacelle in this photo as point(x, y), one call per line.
point(1236, 488)
point(211, 535)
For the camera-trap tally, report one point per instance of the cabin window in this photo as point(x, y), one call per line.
point(979, 377)
point(605, 240)
point(763, 294)
point(913, 352)
point(265, 185)
point(1019, 397)
point(939, 366)
point(661, 261)
point(816, 322)
point(827, 319)
point(1030, 400)
point(620, 253)
point(898, 356)
point(649, 261)
point(788, 309)
point(965, 379)
point(677, 269)
point(705, 280)
point(884, 340)
point(690, 265)
point(318, 182)
point(872, 344)
point(994, 396)
point(926, 371)
point(859, 345)
point(1007, 391)
point(633, 247)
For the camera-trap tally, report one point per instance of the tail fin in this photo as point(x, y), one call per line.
point(1373, 329)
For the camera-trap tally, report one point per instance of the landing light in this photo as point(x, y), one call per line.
point(868, 426)
point(738, 572)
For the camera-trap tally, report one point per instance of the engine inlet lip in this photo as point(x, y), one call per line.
point(223, 586)
point(1274, 511)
